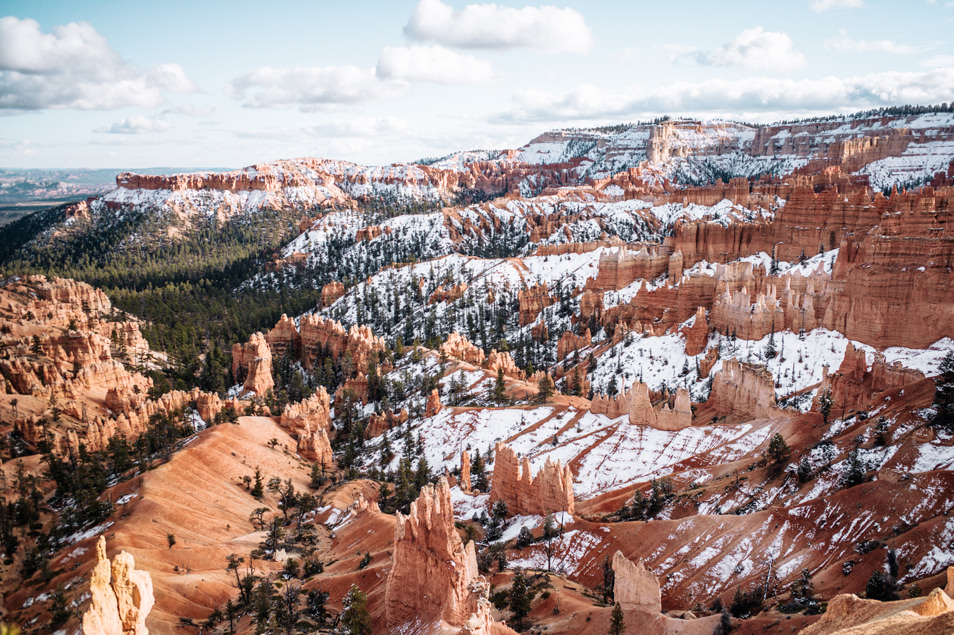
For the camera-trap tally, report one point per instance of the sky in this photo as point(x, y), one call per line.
point(130, 85)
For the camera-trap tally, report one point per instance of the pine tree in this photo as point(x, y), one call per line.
point(355, 617)
point(520, 598)
point(944, 394)
point(616, 621)
point(855, 474)
point(500, 388)
point(258, 490)
point(777, 452)
point(544, 388)
point(824, 405)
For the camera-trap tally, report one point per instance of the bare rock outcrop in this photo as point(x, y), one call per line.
point(432, 569)
point(743, 389)
point(252, 362)
point(570, 342)
point(848, 614)
point(677, 417)
point(459, 347)
point(637, 405)
point(121, 596)
point(697, 335)
point(465, 485)
point(855, 386)
point(331, 292)
point(636, 586)
point(550, 491)
point(434, 576)
point(433, 405)
point(531, 301)
point(502, 360)
point(309, 421)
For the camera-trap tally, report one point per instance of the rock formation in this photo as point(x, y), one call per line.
point(637, 405)
point(378, 424)
point(465, 471)
point(550, 491)
point(433, 404)
point(855, 386)
point(636, 587)
point(677, 417)
point(310, 421)
point(459, 347)
point(533, 300)
point(847, 614)
point(570, 342)
point(697, 335)
point(432, 570)
point(743, 390)
point(331, 292)
point(121, 596)
point(503, 361)
point(253, 362)
point(433, 577)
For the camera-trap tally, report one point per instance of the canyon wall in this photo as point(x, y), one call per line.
point(550, 491)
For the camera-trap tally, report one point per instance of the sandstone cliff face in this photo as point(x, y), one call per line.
point(433, 404)
point(848, 614)
point(121, 596)
point(253, 361)
point(570, 342)
point(636, 587)
point(550, 491)
point(61, 348)
point(855, 386)
point(637, 405)
point(432, 570)
point(465, 485)
point(309, 421)
point(504, 361)
point(459, 347)
point(743, 390)
point(533, 300)
point(697, 335)
point(331, 292)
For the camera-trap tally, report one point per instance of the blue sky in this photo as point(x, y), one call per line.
point(137, 84)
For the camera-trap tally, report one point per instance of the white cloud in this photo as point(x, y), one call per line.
point(190, 110)
point(845, 43)
point(74, 67)
point(756, 50)
point(137, 124)
point(312, 87)
point(432, 64)
point(359, 127)
point(489, 26)
point(353, 127)
point(824, 5)
point(938, 61)
point(786, 97)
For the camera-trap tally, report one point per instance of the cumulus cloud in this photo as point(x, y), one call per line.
point(755, 50)
point(489, 26)
point(752, 95)
point(312, 87)
point(824, 5)
point(74, 67)
point(137, 124)
point(432, 64)
point(846, 44)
